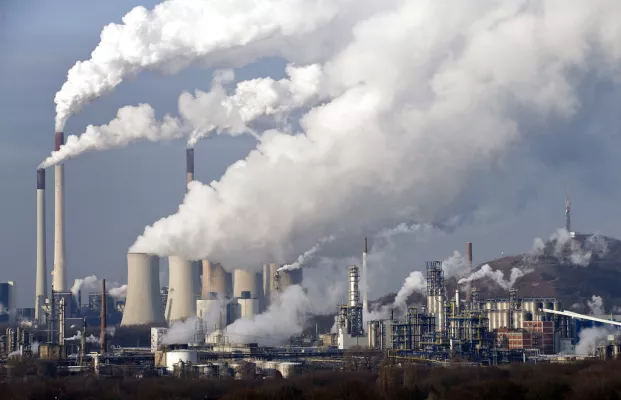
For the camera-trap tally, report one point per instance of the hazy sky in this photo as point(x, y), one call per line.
point(111, 196)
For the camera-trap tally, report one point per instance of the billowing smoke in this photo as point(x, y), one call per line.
point(389, 143)
point(497, 276)
point(201, 113)
point(90, 283)
point(304, 257)
point(415, 282)
point(596, 305)
point(284, 318)
point(34, 347)
point(118, 292)
point(181, 332)
point(569, 250)
point(590, 338)
point(178, 33)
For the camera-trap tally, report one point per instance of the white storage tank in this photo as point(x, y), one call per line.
point(174, 356)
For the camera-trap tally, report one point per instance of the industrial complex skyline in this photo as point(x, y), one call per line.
point(112, 196)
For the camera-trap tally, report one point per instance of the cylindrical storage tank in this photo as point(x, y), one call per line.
point(248, 308)
point(490, 305)
point(212, 312)
point(289, 369)
point(548, 305)
point(518, 317)
point(244, 281)
point(244, 370)
point(216, 280)
point(186, 356)
point(557, 306)
point(505, 319)
point(503, 305)
point(181, 303)
point(143, 305)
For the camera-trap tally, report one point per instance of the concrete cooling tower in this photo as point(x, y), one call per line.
point(143, 305)
point(244, 281)
point(290, 277)
point(41, 274)
point(181, 302)
point(269, 272)
point(60, 274)
point(216, 280)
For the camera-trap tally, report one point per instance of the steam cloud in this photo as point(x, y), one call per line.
point(568, 250)
point(179, 33)
point(118, 292)
point(389, 144)
point(89, 339)
point(201, 113)
point(590, 338)
point(596, 305)
point(89, 283)
point(304, 257)
point(497, 276)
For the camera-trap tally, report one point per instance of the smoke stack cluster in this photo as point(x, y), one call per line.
point(41, 275)
point(469, 259)
point(60, 278)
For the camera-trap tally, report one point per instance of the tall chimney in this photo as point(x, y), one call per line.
point(60, 277)
point(189, 166)
point(365, 289)
point(469, 260)
point(102, 334)
point(41, 275)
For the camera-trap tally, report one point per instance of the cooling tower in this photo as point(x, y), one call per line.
point(181, 302)
point(60, 277)
point(290, 277)
point(269, 271)
point(143, 305)
point(244, 281)
point(41, 274)
point(216, 280)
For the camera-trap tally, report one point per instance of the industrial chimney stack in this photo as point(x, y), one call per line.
point(60, 278)
point(189, 166)
point(365, 288)
point(41, 275)
point(102, 334)
point(469, 260)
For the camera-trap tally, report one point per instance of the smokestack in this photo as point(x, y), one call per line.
point(41, 275)
point(365, 289)
point(189, 166)
point(469, 260)
point(102, 334)
point(59, 220)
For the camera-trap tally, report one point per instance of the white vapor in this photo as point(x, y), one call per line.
point(596, 305)
point(390, 143)
point(568, 250)
point(89, 339)
point(497, 276)
point(284, 318)
point(200, 113)
point(118, 292)
point(590, 338)
point(181, 332)
point(179, 33)
point(90, 283)
point(304, 257)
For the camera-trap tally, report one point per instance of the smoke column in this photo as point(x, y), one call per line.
point(60, 277)
point(200, 113)
point(178, 33)
point(303, 258)
point(41, 277)
point(389, 143)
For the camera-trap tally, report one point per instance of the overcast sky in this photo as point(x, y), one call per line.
point(111, 196)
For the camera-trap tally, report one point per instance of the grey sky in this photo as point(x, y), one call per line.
point(111, 196)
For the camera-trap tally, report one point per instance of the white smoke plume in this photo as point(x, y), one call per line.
point(389, 143)
point(89, 339)
point(590, 338)
point(200, 113)
point(568, 250)
point(181, 332)
point(596, 305)
point(304, 257)
point(88, 284)
point(34, 347)
point(118, 292)
point(131, 123)
point(415, 282)
point(497, 276)
point(178, 33)
point(284, 318)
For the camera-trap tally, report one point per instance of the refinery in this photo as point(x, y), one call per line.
point(190, 319)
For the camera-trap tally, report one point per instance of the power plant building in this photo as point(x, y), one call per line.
point(143, 304)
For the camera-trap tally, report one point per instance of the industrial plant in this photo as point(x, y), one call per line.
point(202, 300)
